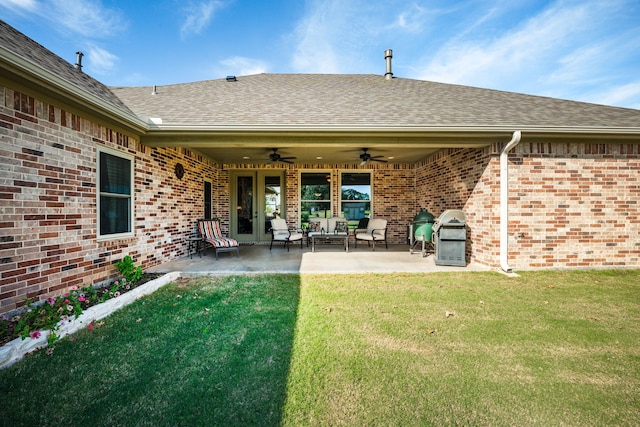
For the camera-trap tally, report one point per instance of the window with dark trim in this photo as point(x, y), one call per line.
point(115, 194)
point(355, 196)
point(207, 200)
point(315, 196)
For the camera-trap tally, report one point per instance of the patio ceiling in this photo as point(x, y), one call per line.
point(313, 146)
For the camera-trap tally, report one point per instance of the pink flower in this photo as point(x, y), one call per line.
point(90, 327)
point(67, 301)
point(70, 307)
point(51, 301)
point(117, 294)
point(35, 335)
point(74, 288)
point(82, 299)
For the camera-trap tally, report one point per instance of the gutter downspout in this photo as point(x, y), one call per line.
point(504, 201)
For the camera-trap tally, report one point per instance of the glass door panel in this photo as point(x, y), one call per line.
point(256, 199)
point(244, 208)
point(272, 203)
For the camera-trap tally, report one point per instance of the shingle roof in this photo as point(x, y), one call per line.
point(335, 100)
point(21, 45)
point(359, 100)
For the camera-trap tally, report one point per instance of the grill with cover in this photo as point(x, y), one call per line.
point(450, 238)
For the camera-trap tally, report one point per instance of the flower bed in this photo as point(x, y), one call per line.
point(74, 317)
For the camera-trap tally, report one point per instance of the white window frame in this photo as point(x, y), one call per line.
point(131, 158)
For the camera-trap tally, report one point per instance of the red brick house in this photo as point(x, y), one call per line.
point(91, 173)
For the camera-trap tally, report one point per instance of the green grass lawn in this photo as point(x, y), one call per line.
point(547, 348)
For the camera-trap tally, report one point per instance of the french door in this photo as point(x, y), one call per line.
point(256, 198)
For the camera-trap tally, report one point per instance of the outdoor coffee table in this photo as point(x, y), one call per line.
point(330, 236)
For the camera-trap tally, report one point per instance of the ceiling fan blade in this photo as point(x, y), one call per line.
point(284, 160)
point(288, 158)
point(366, 157)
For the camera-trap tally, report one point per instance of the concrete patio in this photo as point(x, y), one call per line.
point(327, 258)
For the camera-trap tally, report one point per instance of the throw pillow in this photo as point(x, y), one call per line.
point(342, 227)
point(314, 226)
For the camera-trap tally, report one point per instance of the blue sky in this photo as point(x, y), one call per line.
point(586, 50)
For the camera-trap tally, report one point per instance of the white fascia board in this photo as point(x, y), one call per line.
point(157, 126)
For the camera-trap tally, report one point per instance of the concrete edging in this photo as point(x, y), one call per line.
point(15, 350)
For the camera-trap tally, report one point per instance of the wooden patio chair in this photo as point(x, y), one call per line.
point(212, 236)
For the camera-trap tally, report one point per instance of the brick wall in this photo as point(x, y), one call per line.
point(464, 179)
point(575, 205)
point(571, 205)
point(395, 199)
point(48, 200)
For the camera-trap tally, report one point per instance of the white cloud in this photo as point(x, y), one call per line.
point(568, 50)
point(100, 61)
point(339, 36)
point(20, 5)
point(88, 18)
point(334, 36)
point(411, 20)
point(198, 16)
point(242, 66)
point(627, 95)
point(488, 62)
point(315, 50)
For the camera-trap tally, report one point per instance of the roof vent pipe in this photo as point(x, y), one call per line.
point(504, 201)
point(78, 64)
point(154, 91)
point(388, 55)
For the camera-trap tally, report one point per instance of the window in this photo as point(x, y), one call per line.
point(315, 196)
point(207, 200)
point(115, 201)
point(355, 197)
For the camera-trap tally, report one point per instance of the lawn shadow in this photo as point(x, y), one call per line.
point(201, 351)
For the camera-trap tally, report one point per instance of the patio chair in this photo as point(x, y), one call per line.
point(280, 232)
point(376, 232)
point(362, 225)
point(212, 236)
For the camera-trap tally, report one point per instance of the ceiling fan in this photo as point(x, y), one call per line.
point(366, 157)
point(275, 157)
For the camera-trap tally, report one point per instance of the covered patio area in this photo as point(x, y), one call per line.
point(326, 259)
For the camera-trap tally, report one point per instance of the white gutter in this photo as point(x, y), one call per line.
point(504, 201)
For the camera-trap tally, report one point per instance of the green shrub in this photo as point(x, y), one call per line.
point(129, 271)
